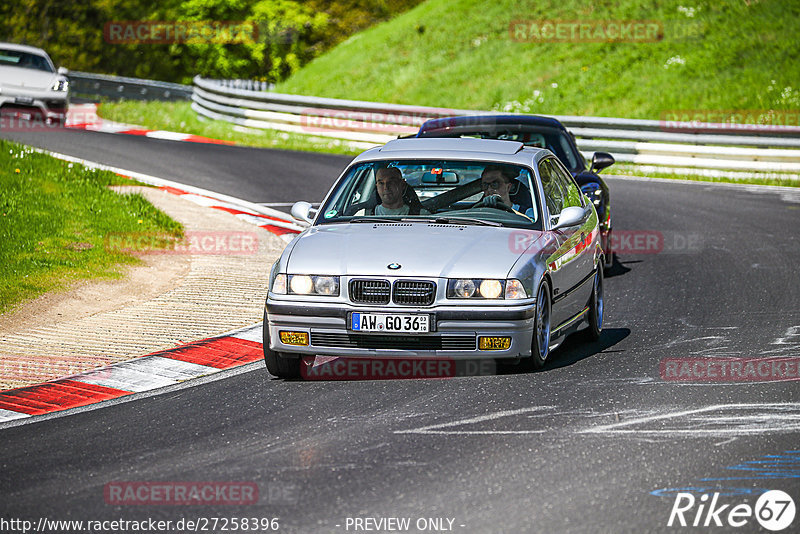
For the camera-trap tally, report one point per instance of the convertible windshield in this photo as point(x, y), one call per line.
point(474, 192)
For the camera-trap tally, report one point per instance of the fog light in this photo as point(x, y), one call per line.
point(294, 338)
point(494, 343)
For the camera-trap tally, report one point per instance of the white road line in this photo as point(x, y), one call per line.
point(767, 422)
point(436, 429)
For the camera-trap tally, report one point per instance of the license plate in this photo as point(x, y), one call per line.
point(23, 100)
point(389, 322)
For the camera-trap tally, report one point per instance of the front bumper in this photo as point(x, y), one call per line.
point(50, 105)
point(454, 333)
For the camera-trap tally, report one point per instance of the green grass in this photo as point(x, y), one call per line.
point(179, 117)
point(729, 55)
point(54, 221)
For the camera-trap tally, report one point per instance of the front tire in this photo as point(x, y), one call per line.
point(540, 340)
point(276, 363)
point(596, 307)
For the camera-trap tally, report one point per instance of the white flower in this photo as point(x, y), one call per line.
point(554, 85)
point(688, 11)
point(536, 92)
point(674, 60)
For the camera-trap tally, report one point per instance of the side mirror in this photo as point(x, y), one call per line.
point(601, 160)
point(302, 210)
point(63, 71)
point(569, 217)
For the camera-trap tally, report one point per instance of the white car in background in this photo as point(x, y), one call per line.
point(31, 86)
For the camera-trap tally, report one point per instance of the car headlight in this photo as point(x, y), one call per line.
point(303, 284)
point(593, 191)
point(60, 85)
point(469, 288)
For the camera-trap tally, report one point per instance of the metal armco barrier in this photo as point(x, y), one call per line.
point(89, 85)
point(650, 142)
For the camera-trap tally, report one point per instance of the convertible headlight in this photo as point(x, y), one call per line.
point(60, 85)
point(303, 284)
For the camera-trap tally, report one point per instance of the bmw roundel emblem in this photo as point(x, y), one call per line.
point(394, 266)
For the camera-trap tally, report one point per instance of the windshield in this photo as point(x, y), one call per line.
point(553, 139)
point(435, 189)
point(17, 58)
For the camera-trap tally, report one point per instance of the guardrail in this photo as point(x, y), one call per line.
point(650, 142)
point(90, 85)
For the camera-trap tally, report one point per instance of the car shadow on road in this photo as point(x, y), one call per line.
point(618, 267)
point(577, 348)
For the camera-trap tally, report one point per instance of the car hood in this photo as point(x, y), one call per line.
point(28, 78)
point(421, 249)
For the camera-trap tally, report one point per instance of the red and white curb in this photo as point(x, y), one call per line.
point(85, 117)
point(150, 372)
point(277, 222)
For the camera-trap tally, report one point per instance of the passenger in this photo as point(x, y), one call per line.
point(395, 195)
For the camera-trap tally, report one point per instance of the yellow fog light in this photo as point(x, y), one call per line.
point(494, 343)
point(294, 338)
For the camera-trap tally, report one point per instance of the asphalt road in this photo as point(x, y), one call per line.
point(601, 440)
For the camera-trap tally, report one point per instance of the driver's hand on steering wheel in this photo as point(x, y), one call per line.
point(492, 201)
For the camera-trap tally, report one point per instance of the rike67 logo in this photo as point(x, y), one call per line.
point(774, 510)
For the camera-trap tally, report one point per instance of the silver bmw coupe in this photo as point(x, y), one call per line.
point(438, 249)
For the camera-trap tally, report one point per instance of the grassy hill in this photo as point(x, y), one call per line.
point(728, 55)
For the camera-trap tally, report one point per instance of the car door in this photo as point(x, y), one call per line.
point(571, 265)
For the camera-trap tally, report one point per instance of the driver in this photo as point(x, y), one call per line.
point(498, 182)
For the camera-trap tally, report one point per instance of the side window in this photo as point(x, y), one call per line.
point(553, 192)
point(572, 194)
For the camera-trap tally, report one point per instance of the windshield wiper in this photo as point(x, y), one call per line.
point(465, 220)
point(374, 220)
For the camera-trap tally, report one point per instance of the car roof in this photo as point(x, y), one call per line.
point(24, 48)
point(494, 150)
point(489, 120)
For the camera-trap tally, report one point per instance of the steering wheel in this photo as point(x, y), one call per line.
point(493, 201)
